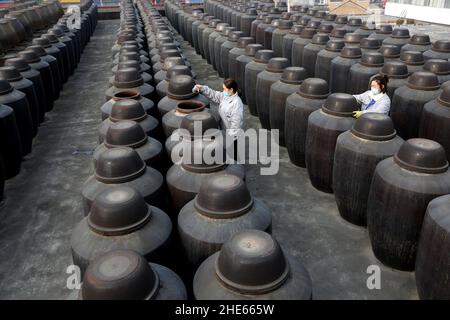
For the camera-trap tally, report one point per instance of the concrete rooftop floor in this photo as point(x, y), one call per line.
point(43, 203)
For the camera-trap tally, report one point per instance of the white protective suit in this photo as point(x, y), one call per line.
point(382, 102)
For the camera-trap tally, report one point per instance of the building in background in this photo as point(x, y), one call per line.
point(435, 11)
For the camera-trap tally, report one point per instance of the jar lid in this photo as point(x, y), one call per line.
point(125, 133)
point(444, 97)
point(277, 64)
point(119, 165)
point(341, 20)
point(420, 39)
point(414, 58)
point(370, 43)
point(5, 87)
point(296, 29)
point(127, 107)
point(235, 35)
point(423, 80)
point(325, 28)
point(308, 33)
point(437, 66)
point(252, 48)
point(223, 196)
point(422, 155)
point(120, 275)
point(338, 32)
point(263, 56)
point(180, 87)
point(390, 51)
point(402, 33)
point(43, 42)
point(320, 39)
point(194, 121)
point(395, 69)
point(351, 52)
point(285, 24)
point(10, 74)
point(335, 45)
point(354, 22)
point(128, 78)
point(19, 63)
point(293, 75)
point(314, 88)
point(340, 105)
point(372, 59)
point(118, 211)
point(221, 26)
point(384, 29)
point(313, 24)
point(29, 56)
point(441, 46)
point(227, 30)
point(177, 70)
point(244, 41)
point(170, 62)
point(353, 38)
point(375, 127)
point(252, 262)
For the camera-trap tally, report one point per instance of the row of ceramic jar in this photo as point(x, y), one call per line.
point(220, 220)
point(30, 82)
point(324, 134)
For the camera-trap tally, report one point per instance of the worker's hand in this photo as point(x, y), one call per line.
point(197, 88)
point(357, 114)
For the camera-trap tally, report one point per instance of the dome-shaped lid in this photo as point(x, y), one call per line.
point(169, 62)
point(10, 74)
point(285, 24)
point(29, 56)
point(43, 42)
point(390, 51)
point(313, 24)
point(308, 33)
point(127, 56)
point(320, 39)
point(207, 19)
point(119, 165)
point(213, 23)
point(314, 88)
point(354, 22)
point(423, 80)
point(261, 16)
point(395, 69)
point(353, 38)
point(384, 29)
point(293, 75)
point(129, 64)
point(412, 57)
point(441, 46)
point(422, 155)
point(311, 11)
point(351, 52)
point(372, 59)
point(166, 53)
point(444, 97)
point(125, 133)
point(370, 43)
point(252, 262)
point(338, 32)
point(5, 87)
point(56, 32)
point(127, 109)
point(223, 196)
point(118, 211)
point(180, 87)
point(263, 56)
point(296, 29)
point(128, 78)
point(252, 12)
point(18, 63)
point(420, 39)
point(40, 51)
point(335, 45)
point(177, 70)
point(196, 121)
point(268, 19)
point(375, 127)
point(341, 20)
point(437, 66)
point(235, 35)
point(304, 20)
point(244, 41)
point(286, 15)
point(325, 28)
point(274, 10)
point(330, 17)
point(402, 33)
point(340, 105)
point(320, 14)
point(168, 46)
point(51, 37)
point(119, 275)
point(251, 49)
point(227, 30)
point(129, 48)
point(277, 64)
point(221, 26)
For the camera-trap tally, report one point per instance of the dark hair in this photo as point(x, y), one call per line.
point(231, 84)
point(382, 82)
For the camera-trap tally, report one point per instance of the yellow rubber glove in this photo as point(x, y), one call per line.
point(357, 114)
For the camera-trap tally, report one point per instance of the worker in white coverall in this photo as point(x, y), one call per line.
point(231, 109)
point(374, 100)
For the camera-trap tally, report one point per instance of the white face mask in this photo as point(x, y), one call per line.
point(374, 91)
